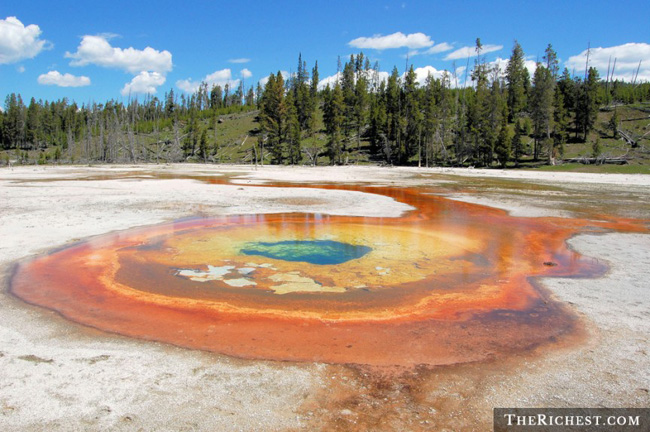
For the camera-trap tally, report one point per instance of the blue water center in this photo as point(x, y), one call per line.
point(321, 252)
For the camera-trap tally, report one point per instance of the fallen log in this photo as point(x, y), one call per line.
point(597, 161)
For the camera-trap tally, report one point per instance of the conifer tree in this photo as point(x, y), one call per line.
point(502, 146)
point(349, 97)
point(32, 127)
point(587, 106)
point(360, 104)
point(203, 145)
point(334, 117)
point(613, 124)
point(517, 145)
point(479, 112)
point(412, 118)
point(542, 107)
point(273, 116)
point(560, 123)
point(378, 134)
point(395, 149)
point(515, 78)
point(292, 131)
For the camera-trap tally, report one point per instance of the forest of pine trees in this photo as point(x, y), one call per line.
point(502, 118)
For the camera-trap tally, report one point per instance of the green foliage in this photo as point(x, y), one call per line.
point(273, 116)
point(334, 117)
point(397, 120)
point(587, 103)
point(502, 147)
point(541, 106)
point(613, 124)
point(596, 149)
point(516, 77)
point(517, 146)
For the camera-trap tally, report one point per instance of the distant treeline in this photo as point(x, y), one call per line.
point(395, 120)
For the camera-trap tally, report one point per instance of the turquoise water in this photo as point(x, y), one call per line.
point(321, 252)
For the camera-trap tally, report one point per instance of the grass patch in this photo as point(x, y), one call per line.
point(598, 169)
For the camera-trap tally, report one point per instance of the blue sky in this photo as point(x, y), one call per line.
point(95, 51)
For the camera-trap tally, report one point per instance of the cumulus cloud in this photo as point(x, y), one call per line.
point(395, 40)
point(245, 73)
point(470, 51)
point(627, 61)
point(18, 42)
point(98, 51)
point(422, 73)
point(144, 82)
point(220, 77)
point(63, 80)
point(239, 60)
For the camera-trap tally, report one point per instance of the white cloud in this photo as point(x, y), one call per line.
point(239, 60)
point(470, 51)
point(18, 42)
point(421, 73)
point(627, 61)
point(263, 81)
point(395, 40)
point(438, 48)
point(21, 69)
point(144, 82)
point(98, 51)
point(220, 77)
point(65, 80)
point(245, 73)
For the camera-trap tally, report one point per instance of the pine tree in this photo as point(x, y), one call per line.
point(515, 78)
point(314, 100)
point(334, 117)
point(517, 145)
point(360, 103)
point(13, 125)
point(542, 107)
point(560, 124)
point(552, 64)
point(349, 97)
point(394, 149)
point(596, 149)
point(378, 134)
point(292, 132)
point(613, 124)
point(479, 116)
point(412, 118)
point(258, 95)
point(502, 146)
point(203, 145)
point(32, 126)
point(191, 135)
point(250, 97)
point(587, 106)
point(273, 116)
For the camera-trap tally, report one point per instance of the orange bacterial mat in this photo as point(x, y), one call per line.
point(446, 283)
